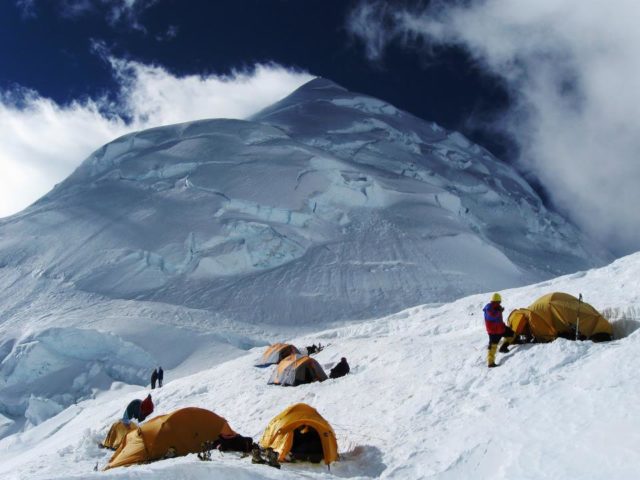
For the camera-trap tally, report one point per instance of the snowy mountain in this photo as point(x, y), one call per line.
point(419, 402)
point(329, 205)
point(190, 244)
point(193, 246)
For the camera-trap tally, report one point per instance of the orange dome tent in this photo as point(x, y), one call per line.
point(116, 434)
point(178, 433)
point(297, 369)
point(556, 315)
point(284, 430)
point(275, 353)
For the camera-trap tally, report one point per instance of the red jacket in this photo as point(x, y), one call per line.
point(493, 318)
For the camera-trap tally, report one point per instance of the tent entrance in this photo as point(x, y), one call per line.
point(307, 445)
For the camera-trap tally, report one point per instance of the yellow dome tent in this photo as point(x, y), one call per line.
point(116, 434)
point(556, 315)
point(297, 369)
point(275, 353)
point(285, 429)
point(178, 433)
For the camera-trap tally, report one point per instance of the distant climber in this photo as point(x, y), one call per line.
point(341, 369)
point(138, 409)
point(154, 378)
point(160, 376)
point(496, 329)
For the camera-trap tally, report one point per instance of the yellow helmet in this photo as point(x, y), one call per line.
point(496, 297)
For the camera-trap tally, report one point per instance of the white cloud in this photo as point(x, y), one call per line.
point(26, 7)
point(115, 11)
point(41, 142)
point(152, 96)
point(573, 70)
point(369, 23)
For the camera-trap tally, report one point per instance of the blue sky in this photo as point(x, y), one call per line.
point(548, 85)
point(49, 46)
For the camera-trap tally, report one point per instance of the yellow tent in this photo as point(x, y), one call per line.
point(275, 353)
point(556, 315)
point(178, 433)
point(293, 423)
point(116, 434)
point(297, 369)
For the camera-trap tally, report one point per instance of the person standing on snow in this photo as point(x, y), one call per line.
point(496, 329)
point(160, 376)
point(138, 409)
point(154, 378)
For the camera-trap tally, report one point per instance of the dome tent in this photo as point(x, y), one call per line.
point(286, 428)
point(276, 353)
point(178, 433)
point(556, 315)
point(116, 434)
point(296, 370)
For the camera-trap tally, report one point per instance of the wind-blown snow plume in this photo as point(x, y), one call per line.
point(572, 69)
point(41, 141)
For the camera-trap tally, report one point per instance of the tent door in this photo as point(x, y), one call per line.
point(307, 445)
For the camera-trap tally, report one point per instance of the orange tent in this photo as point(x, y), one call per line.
point(116, 434)
point(275, 353)
point(281, 433)
point(556, 315)
point(178, 433)
point(297, 369)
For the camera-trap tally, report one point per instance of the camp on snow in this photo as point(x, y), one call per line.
point(296, 370)
point(556, 315)
point(301, 433)
point(275, 353)
point(178, 433)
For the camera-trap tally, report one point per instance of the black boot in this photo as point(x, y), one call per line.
point(504, 349)
point(272, 458)
point(255, 455)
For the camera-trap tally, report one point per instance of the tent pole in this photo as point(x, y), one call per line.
point(578, 319)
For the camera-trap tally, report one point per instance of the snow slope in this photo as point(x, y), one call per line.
point(419, 402)
point(188, 245)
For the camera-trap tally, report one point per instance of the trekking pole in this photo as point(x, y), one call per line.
point(578, 319)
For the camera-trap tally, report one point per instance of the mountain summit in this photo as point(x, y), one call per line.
point(328, 205)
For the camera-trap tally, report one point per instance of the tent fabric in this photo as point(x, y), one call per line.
point(555, 315)
point(116, 434)
point(276, 353)
point(280, 432)
point(297, 369)
point(178, 433)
